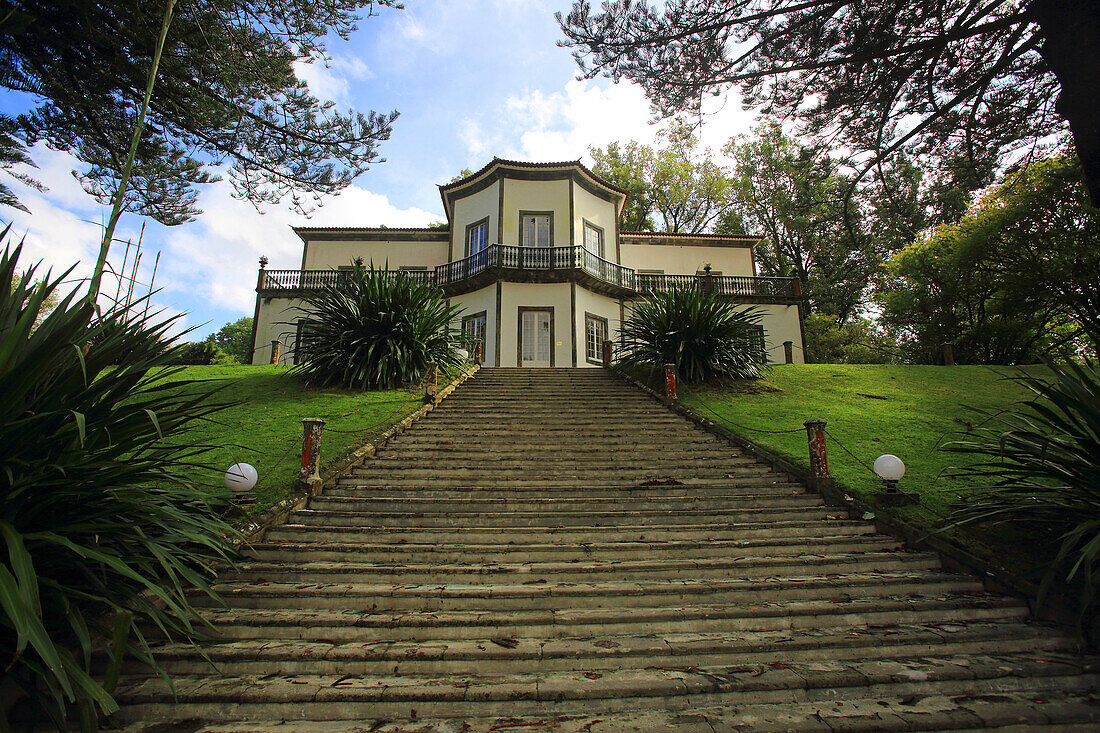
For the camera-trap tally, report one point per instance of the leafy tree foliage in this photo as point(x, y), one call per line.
point(100, 512)
point(226, 101)
point(706, 335)
point(855, 341)
point(677, 182)
point(235, 339)
point(1013, 281)
point(944, 79)
point(199, 353)
point(375, 329)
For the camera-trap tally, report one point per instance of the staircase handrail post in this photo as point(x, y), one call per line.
point(670, 383)
point(819, 456)
point(308, 475)
point(607, 353)
point(431, 387)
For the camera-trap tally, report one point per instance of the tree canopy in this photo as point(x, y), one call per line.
point(940, 79)
point(235, 339)
point(1013, 281)
point(226, 100)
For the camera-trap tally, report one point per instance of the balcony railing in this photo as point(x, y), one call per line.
point(499, 256)
point(316, 279)
point(503, 256)
point(736, 286)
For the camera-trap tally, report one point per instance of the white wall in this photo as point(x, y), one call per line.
point(687, 259)
point(485, 203)
point(536, 196)
point(473, 303)
point(325, 255)
point(275, 313)
point(597, 305)
point(599, 212)
point(535, 295)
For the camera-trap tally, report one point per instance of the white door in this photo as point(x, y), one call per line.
point(534, 339)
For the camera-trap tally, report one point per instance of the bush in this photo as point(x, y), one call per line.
point(704, 334)
point(375, 329)
point(103, 526)
point(1039, 470)
point(856, 341)
point(197, 353)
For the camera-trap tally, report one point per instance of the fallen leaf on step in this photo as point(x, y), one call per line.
point(593, 675)
point(780, 665)
point(505, 642)
point(606, 644)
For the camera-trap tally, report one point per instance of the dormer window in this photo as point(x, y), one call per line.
point(535, 229)
point(477, 237)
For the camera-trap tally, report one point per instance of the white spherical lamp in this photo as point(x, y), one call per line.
point(240, 478)
point(890, 469)
point(462, 354)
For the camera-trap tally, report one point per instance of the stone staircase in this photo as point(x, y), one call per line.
point(553, 550)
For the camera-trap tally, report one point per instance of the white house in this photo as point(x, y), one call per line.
point(533, 254)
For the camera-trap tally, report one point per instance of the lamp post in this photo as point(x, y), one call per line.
point(890, 469)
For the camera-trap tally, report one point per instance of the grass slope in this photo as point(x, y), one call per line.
point(871, 410)
point(265, 429)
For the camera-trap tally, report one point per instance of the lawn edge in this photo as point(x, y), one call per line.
point(955, 557)
point(254, 529)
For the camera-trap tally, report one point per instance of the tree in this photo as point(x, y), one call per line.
point(235, 339)
point(1013, 281)
point(855, 341)
point(793, 195)
point(226, 99)
point(677, 182)
point(625, 168)
point(942, 79)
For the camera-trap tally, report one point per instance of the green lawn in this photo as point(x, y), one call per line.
point(871, 410)
point(265, 429)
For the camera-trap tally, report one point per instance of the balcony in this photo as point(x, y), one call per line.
point(545, 264)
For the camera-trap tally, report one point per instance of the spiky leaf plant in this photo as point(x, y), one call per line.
point(1038, 468)
point(103, 529)
point(703, 333)
point(375, 329)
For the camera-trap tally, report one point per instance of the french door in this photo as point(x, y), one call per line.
point(534, 337)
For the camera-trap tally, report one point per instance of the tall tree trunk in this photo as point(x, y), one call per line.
point(1071, 47)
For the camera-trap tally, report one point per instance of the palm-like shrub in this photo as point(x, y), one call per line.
point(375, 329)
point(704, 334)
point(103, 529)
point(1038, 469)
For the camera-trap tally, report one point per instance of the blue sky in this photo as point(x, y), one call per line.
point(471, 79)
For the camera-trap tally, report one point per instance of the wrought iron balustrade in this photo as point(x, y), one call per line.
point(732, 285)
point(316, 279)
point(508, 257)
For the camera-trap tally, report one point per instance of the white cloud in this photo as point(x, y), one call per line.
point(331, 79)
point(540, 126)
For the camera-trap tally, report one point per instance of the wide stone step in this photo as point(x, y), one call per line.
point(557, 438)
point(604, 594)
point(631, 453)
point(551, 518)
point(576, 473)
point(732, 489)
point(350, 625)
point(380, 502)
point(553, 465)
point(1006, 711)
point(496, 654)
point(342, 696)
point(288, 551)
point(702, 531)
point(580, 571)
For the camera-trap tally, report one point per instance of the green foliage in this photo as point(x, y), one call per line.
point(199, 353)
point(235, 339)
point(855, 341)
point(375, 329)
point(704, 334)
point(1038, 469)
point(226, 100)
point(677, 182)
point(99, 513)
point(1012, 282)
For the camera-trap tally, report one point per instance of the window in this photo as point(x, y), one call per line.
point(477, 237)
point(756, 343)
point(535, 229)
point(595, 333)
point(473, 330)
point(593, 239)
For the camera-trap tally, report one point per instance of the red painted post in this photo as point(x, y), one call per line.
point(308, 476)
point(432, 386)
point(276, 347)
point(670, 383)
point(607, 354)
point(788, 351)
point(477, 353)
point(819, 457)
